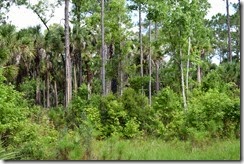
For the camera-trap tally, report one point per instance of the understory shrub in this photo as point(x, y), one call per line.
point(211, 112)
point(169, 114)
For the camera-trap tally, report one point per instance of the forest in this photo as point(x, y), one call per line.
point(94, 88)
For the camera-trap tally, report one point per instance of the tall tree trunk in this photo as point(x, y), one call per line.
point(150, 66)
point(157, 76)
point(78, 53)
point(121, 78)
point(103, 50)
point(120, 75)
point(187, 66)
point(75, 79)
point(89, 76)
point(48, 85)
point(156, 62)
point(239, 32)
point(140, 40)
point(182, 80)
point(44, 95)
point(80, 79)
point(38, 92)
point(199, 79)
point(68, 67)
point(229, 34)
point(199, 69)
point(55, 93)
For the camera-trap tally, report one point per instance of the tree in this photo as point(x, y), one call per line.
point(103, 71)
point(229, 33)
point(68, 66)
point(54, 47)
point(150, 66)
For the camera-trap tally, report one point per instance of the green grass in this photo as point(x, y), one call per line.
point(156, 149)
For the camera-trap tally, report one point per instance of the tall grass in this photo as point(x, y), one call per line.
point(156, 149)
point(5, 155)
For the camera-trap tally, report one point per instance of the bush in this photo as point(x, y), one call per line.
point(125, 116)
point(113, 116)
point(136, 106)
point(208, 112)
point(169, 115)
point(36, 142)
point(13, 112)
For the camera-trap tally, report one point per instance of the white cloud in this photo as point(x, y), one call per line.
point(22, 17)
point(218, 6)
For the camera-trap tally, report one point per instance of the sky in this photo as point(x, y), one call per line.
point(23, 18)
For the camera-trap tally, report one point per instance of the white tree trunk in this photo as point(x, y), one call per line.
point(182, 81)
point(187, 66)
point(199, 79)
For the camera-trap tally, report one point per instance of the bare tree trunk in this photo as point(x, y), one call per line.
point(108, 86)
point(140, 40)
point(103, 50)
point(182, 81)
point(199, 69)
point(55, 93)
point(239, 32)
point(150, 66)
point(187, 66)
point(37, 62)
point(80, 70)
point(48, 85)
point(156, 62)
point(89, 76)
point(121, 79)
point(157, 76)
point(75, 79)
point(38, 92)
point(229, 34)
point(199, 79)
point(44, 95)
point(68, 67)
point(120, 73)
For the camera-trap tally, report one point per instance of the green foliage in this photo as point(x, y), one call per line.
point(169, 115)
point(94, 126)
point(10, 72)
point(137, 82)
point(113, 116)
point(28, 87)
point(207, 111)
point(225, 78)
point(136, 106)
point(125, 116)
point(6, 155)
point(69, 146)
point(37, 141)
point(131, 129)
point(134, 102)
point(13, 112)
point(4, 52)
